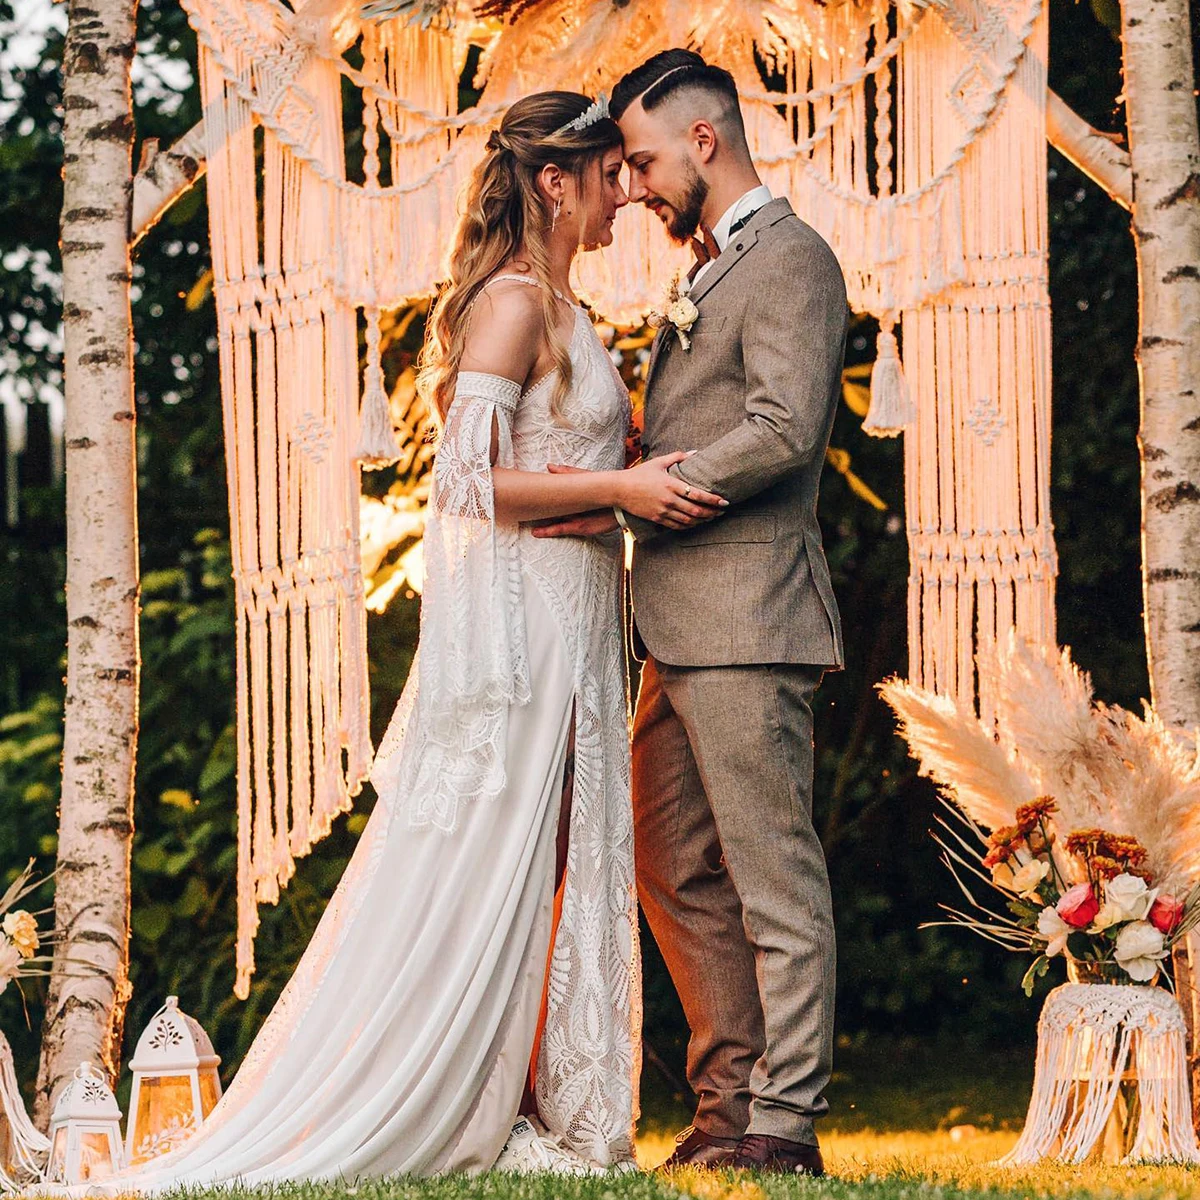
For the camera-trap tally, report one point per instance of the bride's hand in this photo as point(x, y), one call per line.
point(648, 491)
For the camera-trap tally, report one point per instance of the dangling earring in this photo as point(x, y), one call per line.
point(554, 216)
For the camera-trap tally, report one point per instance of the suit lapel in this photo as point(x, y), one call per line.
point(766, 216)
point(655, 349)
point(738, 247)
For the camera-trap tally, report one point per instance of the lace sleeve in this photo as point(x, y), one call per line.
point(473, 662)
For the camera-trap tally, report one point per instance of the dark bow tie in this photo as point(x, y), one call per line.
point(742, 222)
point(705, 246)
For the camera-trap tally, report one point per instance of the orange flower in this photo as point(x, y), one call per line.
point(1030, 815)
point(1127, 849)
point(1083, 841)
point(1100, 843)
point(1003, 843)
point(996, 855)
point(1039, 842)
point(1104, 868)
point(1004, 835)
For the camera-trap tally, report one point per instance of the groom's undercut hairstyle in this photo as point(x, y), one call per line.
point(675, 74)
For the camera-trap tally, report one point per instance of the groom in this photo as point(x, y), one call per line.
point(739, 620)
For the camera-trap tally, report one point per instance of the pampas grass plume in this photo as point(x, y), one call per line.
point(1044, 714)
point(959, 754)
point(1105, 767)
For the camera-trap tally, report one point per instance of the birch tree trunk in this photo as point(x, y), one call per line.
point(84, 1014)
point(1165, 157)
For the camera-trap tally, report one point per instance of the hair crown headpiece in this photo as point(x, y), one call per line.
point(596, 111)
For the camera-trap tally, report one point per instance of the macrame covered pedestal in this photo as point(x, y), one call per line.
point(1094, 1040)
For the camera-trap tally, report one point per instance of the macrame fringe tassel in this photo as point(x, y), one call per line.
point(1075, 1085)
point(28, 1149)
point(377, 446)
point(1164, 1132)
point(891, 410)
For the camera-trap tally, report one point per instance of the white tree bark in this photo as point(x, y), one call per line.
point(1164, 150)
point(164, 176)
point(1099, 157)
point(84, 1013)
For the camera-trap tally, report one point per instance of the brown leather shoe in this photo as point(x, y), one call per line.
point(758, 1152)
point(695, 1148)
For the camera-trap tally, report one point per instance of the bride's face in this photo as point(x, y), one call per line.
point(603, 198)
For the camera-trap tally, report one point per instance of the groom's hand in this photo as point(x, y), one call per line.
point(586, 524)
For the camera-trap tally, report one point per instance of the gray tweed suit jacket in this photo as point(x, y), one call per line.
point(756, 395)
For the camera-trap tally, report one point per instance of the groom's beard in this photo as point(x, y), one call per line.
point(685, 215)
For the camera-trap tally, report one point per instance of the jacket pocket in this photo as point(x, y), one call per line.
point(706, 327)
point(753, 527)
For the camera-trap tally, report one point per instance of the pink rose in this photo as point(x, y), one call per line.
point(1078, 906)
point(1165, 913)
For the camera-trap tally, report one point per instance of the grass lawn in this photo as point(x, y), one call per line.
point(906, 1123)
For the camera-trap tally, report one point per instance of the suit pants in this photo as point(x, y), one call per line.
point(732, 879)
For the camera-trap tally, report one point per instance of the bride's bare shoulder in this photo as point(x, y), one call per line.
point(505, 331)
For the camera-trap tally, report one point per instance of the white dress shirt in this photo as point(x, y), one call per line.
point(749, 202)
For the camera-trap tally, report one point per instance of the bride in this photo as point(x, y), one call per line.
point(470, 997)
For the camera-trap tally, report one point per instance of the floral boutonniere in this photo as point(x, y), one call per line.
point(678, 312)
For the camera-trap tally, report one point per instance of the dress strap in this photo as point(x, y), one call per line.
point(526, 279)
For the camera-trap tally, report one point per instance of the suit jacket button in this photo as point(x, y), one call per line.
point(738, 246)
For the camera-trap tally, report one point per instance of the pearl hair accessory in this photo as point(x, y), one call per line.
point(596, 111)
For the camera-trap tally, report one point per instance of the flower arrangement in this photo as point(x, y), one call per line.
point(20, 940)
point(679, 312)
point(1084, 817)
point(1090, 898)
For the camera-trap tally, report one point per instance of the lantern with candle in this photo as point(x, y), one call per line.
point(175, 1083)
point(85, 1130)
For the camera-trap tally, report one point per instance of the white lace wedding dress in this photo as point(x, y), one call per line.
point(403, 1041)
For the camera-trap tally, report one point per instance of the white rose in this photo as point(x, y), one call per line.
point(683, 314)
point(10, 962)
point(1130, 896)
point(1054, 929)
point(1140, 948)
point(1108, 916)
point(1028, 878)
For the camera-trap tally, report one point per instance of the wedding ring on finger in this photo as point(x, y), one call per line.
point(687, 491)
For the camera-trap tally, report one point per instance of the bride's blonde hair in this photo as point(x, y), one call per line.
point(504, 211)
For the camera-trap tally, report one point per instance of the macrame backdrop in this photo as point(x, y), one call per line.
point(289, 364)
point(977, 461)
point(912, 136)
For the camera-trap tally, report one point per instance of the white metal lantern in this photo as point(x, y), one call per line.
point(85, 1130)
point(175, 1083)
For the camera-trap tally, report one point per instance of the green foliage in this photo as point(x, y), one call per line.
point(1037, 969)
